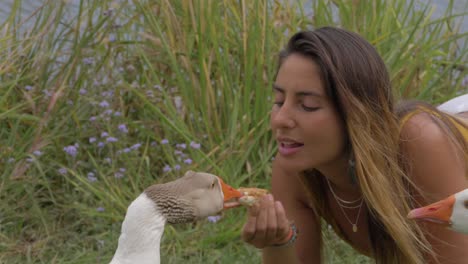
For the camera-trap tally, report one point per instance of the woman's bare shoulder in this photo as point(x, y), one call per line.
point(436, 165)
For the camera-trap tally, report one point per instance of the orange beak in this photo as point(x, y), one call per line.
point(230, 195)
point(438, 212)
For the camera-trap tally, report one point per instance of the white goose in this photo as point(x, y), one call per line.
point(195, 195)
point(451, 212)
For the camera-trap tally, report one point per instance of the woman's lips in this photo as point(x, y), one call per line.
point(288, 149)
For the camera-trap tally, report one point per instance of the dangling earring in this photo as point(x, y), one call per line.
point(352, 170)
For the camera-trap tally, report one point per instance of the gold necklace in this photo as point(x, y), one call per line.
point(340, 203)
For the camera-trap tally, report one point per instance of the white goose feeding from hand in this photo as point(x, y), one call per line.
point(451, 212)
point(195, 195)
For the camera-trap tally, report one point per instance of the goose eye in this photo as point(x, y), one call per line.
point(213, 184)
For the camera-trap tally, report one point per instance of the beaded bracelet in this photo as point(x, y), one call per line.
point(292, 237)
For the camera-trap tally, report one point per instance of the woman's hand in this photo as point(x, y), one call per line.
point(267, 224)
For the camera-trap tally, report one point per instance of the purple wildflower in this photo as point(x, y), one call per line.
point(164, 141)
point(178, 152)
point(29, 160)
point(108, 160)
point(177, 167)
point(101, 144)
point(100, 209)
point(93, 118)
point(92, 139)
point(123, 128)
point(83, 91)
point(136, 146)
point(167, 168)
point(108, 112)
point(37, 153)
point(62, 171)
point(117, 113)
point(104, 104)
point(181, 146)
point(47, 93)
point(104, 134)
point(112, 139)
point(188, 161)
point(195, 145)
point(71, 150)
point(88, 61)
point(214, 218)
point(28, 88)
point(91, 177)
point(119, 175)
point(127, 150)
point(153, 144)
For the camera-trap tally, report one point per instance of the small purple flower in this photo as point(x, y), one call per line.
point(29, 160)
point(100, 209)
point(104, 134)
point(188, 161)
point(108, 160)
point(127, 150)
point(177, 167)
point(91, 177)
point(119, 175)
point(178, 152)
point(104, 104)
point(28, 88)
point(62, 171)
point(136, 146)
point(167, 168)
point(112, 139)
point(83, 91)
point(181, 146)
point(71, 150)
point(153, 144)
point(37, 153)
point(112, 38)
point(164, 141)
point(108, 112)
point(101, 144)
point(92, 139)
point(123, 128)
point(47, 93)
point(214, 218)
point(195, 145)
point(88, 61)
point(117, 113)
point(93, 118)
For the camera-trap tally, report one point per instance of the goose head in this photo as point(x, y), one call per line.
point(193, 196)
point(451, 212)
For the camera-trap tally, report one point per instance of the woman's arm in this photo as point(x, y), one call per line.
point(439, 170)
point(268, 222)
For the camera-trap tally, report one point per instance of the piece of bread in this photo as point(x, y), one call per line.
point(251, 195)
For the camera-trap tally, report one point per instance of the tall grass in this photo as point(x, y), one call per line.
point(99, 102)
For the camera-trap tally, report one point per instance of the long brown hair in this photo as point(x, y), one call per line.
point(357, 81)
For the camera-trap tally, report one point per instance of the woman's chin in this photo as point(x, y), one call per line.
point(292, 165)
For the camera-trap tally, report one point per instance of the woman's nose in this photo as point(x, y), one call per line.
point(282, 117)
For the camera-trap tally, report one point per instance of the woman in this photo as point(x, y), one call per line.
point(346, 155)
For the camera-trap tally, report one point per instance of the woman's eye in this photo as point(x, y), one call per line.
point(310, 109)
point(278, 103)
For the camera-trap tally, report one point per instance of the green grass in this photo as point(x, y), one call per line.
point(186, 71)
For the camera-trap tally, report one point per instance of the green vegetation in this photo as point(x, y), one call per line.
point(88, 99)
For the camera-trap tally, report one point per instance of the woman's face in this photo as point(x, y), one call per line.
point(307, 127)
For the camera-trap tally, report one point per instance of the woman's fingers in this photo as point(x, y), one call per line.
point(266, 224)
point(248, 232)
